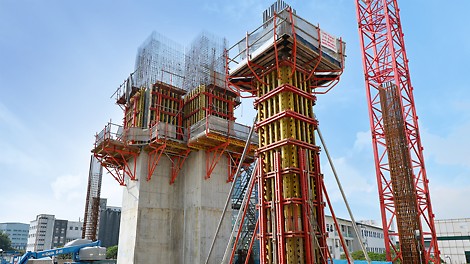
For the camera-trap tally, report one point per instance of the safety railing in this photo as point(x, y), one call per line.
point(136, 135)
point(162, 130)
point(110, 132)
point(214, 124)
point(261, 38)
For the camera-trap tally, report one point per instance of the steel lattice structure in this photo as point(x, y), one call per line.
point(399, 161)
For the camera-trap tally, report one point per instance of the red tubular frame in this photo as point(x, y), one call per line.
point(114, 154)
point(154, 157)
point(177, 162)
point(385, 61)
point(245, 210)
point(213, 156)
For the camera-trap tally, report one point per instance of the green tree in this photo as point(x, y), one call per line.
point(359, 255)
point(5, 242)
point(111, 252)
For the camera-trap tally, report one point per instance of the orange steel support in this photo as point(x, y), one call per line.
point(233, 160)
point(154, 157)
point(250, 247)
point(213, 156)
point(177, 162)
point(114, 155)
point(335, 221)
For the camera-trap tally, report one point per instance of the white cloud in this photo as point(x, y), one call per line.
point(450, 201)
point(450, 149)
point(363, 141)
point(358, 182)
point(69, 187)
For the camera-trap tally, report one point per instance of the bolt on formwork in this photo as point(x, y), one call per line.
point(283, 64)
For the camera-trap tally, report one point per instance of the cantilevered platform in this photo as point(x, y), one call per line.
point(213, 131)
point(113, 152)
point(279, 40)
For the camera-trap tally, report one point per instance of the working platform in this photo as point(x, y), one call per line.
point(173, 137)
point(213, 131)
point(286, 37)
point(113, 151)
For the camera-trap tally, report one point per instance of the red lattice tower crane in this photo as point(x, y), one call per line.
point(399, 161)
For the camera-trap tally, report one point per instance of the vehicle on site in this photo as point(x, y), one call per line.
point(83, 251)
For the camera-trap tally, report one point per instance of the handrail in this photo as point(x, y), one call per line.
point(223, 126)
point(265, 33)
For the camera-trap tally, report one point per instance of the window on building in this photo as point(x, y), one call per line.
point(76, 228)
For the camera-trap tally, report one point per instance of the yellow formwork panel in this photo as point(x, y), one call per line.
point(276, 131)
point(134, 116)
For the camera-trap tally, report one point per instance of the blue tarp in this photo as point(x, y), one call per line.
point(343, 261)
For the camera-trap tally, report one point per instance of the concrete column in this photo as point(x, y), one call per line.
point(163, 223)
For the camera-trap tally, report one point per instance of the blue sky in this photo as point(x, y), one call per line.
point(60, 61)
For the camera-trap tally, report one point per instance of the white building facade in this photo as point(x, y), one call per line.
point(47, 232)
point(334, 241)
point(40, 233)
point(371, 234)
point(453, 238)
point(74, 231)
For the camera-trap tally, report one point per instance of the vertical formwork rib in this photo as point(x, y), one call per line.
point(286, 126)
point(399, 159)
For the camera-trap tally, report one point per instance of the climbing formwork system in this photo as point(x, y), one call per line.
point(167, 135)
point(174, 104)
point(209, 107)
point(283, 64)
point(115, 154)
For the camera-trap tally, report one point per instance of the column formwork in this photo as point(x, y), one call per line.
point(291, 204)
point(283, 64)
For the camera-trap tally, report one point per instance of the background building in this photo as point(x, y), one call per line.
point(40, 233)
point(47, 232)
point(109, 223)
point(371, 234)
point(60, 227)
point(18, 234)
point(333, 241)
point(74, 230)
point(453, 236)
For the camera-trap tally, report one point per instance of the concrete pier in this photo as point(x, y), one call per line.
point(163, 223)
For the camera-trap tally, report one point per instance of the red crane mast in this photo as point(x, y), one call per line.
point(399, 161)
